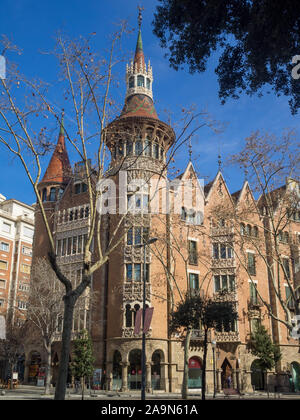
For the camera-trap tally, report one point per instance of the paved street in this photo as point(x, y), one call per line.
point(27, 392)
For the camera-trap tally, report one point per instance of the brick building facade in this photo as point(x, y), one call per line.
point(191, 252)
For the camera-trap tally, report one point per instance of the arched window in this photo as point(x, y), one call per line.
point(138, 148)
point(120, 148)
point(148, 83)
point(60, 193)
point(141, 81)
point(243, 229)
point(128, 316)
point(255, 231)
point(248, 230)
point(147, 149)
point(183, 213)
point(87, 212)
point(52, 194)
point(44, 196)
point(156, 151)
point(286, 237)
point(131, 82)
point(129, 148)
point(136, 308)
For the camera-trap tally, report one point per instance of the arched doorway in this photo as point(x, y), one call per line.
point(226, 374)
point(156, 371)
point(195, 373)
point(34, 365)
point(257, 376)
point(135, 369)
point(117, 371)
point(295, 372)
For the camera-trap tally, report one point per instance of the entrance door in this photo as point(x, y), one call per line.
point(195, 373)
point(135, 369)
point(226, 375)
point(295, 376)
point(257, 376)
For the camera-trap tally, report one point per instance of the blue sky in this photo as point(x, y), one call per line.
point(32, 26)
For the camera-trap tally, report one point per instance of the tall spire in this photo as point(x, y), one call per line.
point(139, 79)
point(59, 168)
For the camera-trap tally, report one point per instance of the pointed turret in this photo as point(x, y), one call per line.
point(59, 168)
point(139, 79)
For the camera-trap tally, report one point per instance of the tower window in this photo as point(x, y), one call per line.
point(147, 151)
point(141, 81)
point(156, 151)
point(44, 196)
point(148, 83)
point(52, 194)
point(131, 82)
point(138, 148)
point(129, 148)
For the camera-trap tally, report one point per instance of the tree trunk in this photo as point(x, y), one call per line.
point(60, 390)
point(186, 364)
point(204, 364)
point(82, 387)
point(48, 369)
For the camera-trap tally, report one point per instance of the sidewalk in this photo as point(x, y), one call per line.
point(30, 392)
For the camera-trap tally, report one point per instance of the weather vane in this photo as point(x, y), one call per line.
point(140, 18)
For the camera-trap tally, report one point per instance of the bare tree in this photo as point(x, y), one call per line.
point(264, 219)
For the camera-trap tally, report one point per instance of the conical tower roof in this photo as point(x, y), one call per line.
point(59, 168)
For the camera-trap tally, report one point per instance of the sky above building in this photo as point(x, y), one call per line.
point(32, 25)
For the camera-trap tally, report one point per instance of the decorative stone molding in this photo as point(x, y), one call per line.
point(133, 292)
point(223, 263)
point(225, 337)
point(128, 332)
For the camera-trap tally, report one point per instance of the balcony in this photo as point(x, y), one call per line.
point(198, 335)
point(255, 303)
point(226, 296)
point(128, 332)
point(221, 231)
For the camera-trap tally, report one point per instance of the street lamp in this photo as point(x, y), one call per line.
point(213, 346)
point(143, 386)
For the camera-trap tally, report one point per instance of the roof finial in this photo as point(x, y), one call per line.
point(190, 149)
point(62, 129)
point(219, 158)
point(140, 17)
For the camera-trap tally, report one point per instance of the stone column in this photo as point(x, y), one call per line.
point(218, 385)
point(233, 377)
point(148, 377)
point(238, 386)
point(124, 376)
point(164, 377)
point(109, 376)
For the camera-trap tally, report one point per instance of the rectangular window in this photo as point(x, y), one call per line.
point(194, 281)
point(69, 246)
point(64, 247)
point(58, 248)
point(79, 245)
point(129, 272)
point(286, 265)
point(217, 283)
point(130, 236)
point(6, 227)
point(77, 188)
point(27, 251)
point(216, 251)
point(137, 236)
point(4, 247)
point(3, 265)
point(1, 303)
point(25, 268)
point(28, 232)
point(74, 250)
point(137, 272)
point(253, 294)
point(2, 284)
point(251, 263)
point(229, 251)
point(193, 256)
point(223, 251)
